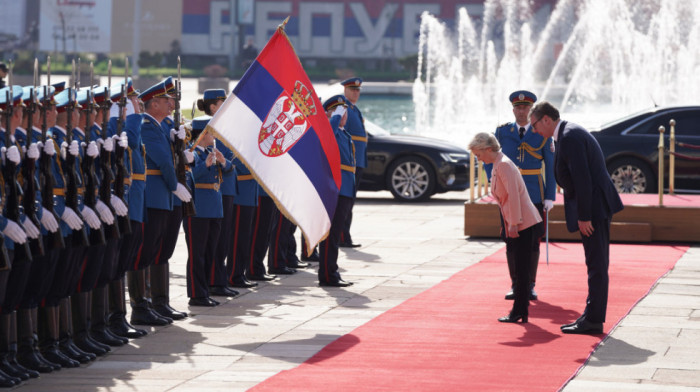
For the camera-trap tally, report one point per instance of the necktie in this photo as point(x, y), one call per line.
point(522, 132)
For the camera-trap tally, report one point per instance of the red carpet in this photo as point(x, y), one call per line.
point(448, 339)
point(641, 199)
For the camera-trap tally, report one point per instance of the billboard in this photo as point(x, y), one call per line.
point(75, 25)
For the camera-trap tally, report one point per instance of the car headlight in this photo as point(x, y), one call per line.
point(454, 156)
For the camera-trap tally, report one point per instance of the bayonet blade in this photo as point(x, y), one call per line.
point(48, 71)
point(36, 72)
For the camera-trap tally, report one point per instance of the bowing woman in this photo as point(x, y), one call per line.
point(522, 222)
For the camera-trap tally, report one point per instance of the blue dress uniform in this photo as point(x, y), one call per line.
point(328, 274)
point(134, 183)
point(202, 230)
point(534, 155)
point(355, 127)
point(245, 204)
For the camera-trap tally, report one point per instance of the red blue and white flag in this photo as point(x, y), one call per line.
point(274, 122)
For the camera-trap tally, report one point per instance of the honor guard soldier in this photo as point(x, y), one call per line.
point(161, 185)
point(534, 156)
point(261, 238)
point(337, 110)
point(218, 279)
point(130, 168)
point(355, 126)
point(202, 230)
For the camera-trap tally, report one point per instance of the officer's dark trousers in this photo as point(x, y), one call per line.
point(19, 275)
point(110, 264)
point(328, 250)
point(261, 235)
point(217, 270)
point(90, 268)
point(597, 251)
point(281, 239)
point(345, 236)
point(521, 248)
point(40, 277)
point(202, 235)
point(131, 249)
point(241, 240)
point(172, 231)
point(154, 231)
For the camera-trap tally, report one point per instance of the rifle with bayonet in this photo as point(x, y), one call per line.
point(13, 190)
point(29, 171)
point(80, 237)
point(106, 159)
point(97, 236)
point(46, 180)
point(119, 151)
point(179, 158)
point(5, 261)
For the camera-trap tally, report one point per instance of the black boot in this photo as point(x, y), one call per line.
point(12, 352)
point(6, 367)
point(141, 312)
point(65, 342)
point(27, 355)
point(117, 315)
point(98, 322)
point(48, 339)
point(160, 288)
point(81, 326)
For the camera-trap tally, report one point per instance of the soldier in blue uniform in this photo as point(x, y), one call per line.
point(161, 185)
point(261, 239)
point(355, 126)
point(328, 274)
point(218, 278)
point(202, 230)
point(534, 155)
point(245, 206)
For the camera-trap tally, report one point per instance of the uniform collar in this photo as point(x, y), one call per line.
point(21, 130)
point(555, 136)
point(80, 131)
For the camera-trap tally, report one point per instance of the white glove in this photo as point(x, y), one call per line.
point(105, 213)
point(123, 140)
point(90, 217)
point(118, 205)
point(182, 193)
point(30, 228)
point(33, 152)
point(92, 150)
point(48, 220)
point(15, 232)
point(108, 144)
point(49, 148)
point(189, 155)
point(12, 154)
point(71, 218)
point(548, 205)
point(339, 111)
point(180, 133)
point(74, 148)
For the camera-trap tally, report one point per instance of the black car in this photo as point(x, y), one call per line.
point(413, 168)
point(631, 150)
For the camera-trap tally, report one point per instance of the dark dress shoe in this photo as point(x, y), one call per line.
point(313, 257)
point(262, 277)
point(202, 301)
point(168, 312)
point(222, 291)
point(120, 327)
point(533, 295)
point(513, 318)
point(142, 315)
point(338, 283)
point(510, 295)
point(584, 327)
point(578, 320)
point(283, 271)
point(298, 264)
point(349, 245)
point(243, 284)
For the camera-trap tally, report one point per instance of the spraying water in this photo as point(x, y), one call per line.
point(594, 59)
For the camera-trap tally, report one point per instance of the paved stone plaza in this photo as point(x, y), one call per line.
point(407, 248)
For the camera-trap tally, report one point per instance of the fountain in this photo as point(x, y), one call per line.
point(596, 60)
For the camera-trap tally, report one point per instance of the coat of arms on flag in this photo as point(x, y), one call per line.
point(272, 123)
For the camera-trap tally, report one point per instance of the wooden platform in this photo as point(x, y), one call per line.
point(642, 220)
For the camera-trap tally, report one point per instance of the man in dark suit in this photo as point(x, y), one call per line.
point(590, 200)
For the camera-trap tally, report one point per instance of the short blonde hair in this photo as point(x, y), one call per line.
point(484, 140)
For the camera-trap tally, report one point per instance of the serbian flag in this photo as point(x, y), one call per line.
point(274, 122)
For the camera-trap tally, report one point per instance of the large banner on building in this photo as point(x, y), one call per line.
point(338, 29)
point(75, 25)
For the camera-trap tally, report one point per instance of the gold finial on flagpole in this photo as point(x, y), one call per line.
point(284, 23)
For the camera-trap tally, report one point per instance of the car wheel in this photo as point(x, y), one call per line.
point(631, 175)
point(411, 179)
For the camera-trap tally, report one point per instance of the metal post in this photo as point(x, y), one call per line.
point(472, 164)
point(662, 129)
point(672, 159)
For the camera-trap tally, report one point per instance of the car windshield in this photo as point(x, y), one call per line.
point(618, 121)
point(374, 129)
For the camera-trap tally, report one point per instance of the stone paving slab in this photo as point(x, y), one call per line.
point(407, 248)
